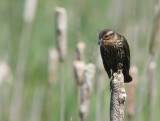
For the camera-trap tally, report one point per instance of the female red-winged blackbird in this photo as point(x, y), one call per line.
point(115, 53)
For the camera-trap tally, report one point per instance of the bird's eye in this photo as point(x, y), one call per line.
point(106, 37)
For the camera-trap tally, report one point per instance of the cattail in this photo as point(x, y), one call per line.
point(29, 14)
point(4, 70)
point(85, 91)
point(79, 64)
point(80, 50)
point(61, 41)
point(99, 83)
point(29, 10)
point(71, 118)
point(156, 31)
point(152, 64)
point(79, 67)
point(53, 64)
point(37, 104)
point(84, 75)
point(152, 88)
point(131, 92)
point(61, 32)
point(118, 97)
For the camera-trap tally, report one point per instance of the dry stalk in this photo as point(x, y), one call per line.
point(61, 32)
point(53, 65)
point(85, 91)
point(99, 83)
point(37, 104)
point(79, 67)
point(29, 14)
point(118, 97)
point(152, 64)
point(155, 31)
point(61, 41)
point(131, 92)
point(152, 88)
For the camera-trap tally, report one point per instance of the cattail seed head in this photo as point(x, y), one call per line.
point(53, 64)
point(79, 67)
point(80, 50)
point(85, 91)
point(61, 32)
point(29, 10)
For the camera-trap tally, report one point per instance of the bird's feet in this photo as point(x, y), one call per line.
point(120, 67)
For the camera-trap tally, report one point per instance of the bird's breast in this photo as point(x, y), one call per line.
point(114, 54)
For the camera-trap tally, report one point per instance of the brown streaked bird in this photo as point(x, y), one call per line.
point(115, 53)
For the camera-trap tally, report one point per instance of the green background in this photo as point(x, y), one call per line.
point(133, 19)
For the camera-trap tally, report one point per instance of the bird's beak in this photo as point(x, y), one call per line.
point(101, 41)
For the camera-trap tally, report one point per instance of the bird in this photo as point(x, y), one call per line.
point(115, 53)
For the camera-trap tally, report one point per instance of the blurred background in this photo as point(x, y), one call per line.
point(35, 85)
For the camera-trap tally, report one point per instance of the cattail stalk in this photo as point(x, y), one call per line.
point(61, 41)
point(99, 78)
point(29, 14)
point(37, 104)
point(118, 97)
point(79, 67)
point(131, 92)
point(84, 75)
point(79, 64)
point(85, 91)
point(155, 31)
point(152, 88)
point(152, 64)
point(53, 65)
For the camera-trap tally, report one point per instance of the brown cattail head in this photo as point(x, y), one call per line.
point(61, 32)
point(131, 92)
point(53, 64)
point(80, 50)
point(79, 67)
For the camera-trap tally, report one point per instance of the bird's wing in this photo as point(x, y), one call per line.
point(105, 58)
point(127, 54)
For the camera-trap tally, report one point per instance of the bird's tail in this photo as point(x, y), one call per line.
point(127, 78)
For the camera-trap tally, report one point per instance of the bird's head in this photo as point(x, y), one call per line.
point(107, 37)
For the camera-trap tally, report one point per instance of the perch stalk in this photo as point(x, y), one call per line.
point(118, 97)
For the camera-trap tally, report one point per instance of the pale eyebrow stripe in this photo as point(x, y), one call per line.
point(110, 32)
